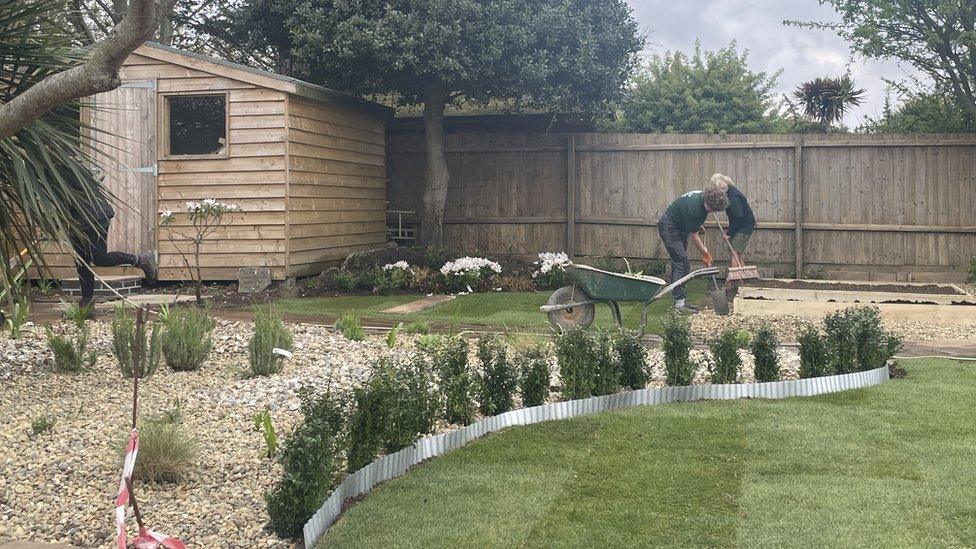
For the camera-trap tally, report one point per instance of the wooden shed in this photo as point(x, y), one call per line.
point(305, 163)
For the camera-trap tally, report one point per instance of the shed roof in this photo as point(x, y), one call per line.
point(258, 77)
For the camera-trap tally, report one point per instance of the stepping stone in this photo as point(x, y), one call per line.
point(419, 305)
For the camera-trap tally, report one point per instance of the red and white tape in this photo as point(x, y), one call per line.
point(147, 539)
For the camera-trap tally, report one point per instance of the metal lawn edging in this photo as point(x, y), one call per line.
point(394, 465)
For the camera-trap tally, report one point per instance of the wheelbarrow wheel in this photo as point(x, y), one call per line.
point(581, 315)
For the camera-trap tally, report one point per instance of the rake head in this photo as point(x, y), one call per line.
point(742, 273)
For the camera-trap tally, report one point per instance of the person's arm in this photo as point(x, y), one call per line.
point(697, 241)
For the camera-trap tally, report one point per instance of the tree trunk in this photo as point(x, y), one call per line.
point(438, 177)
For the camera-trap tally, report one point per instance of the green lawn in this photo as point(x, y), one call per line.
point(512, 309)
point(889, 466)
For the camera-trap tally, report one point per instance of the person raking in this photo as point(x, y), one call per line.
point(742, 222)
point(95, 214)
point(683, 219)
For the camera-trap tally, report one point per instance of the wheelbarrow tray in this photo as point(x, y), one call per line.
point(609, 286)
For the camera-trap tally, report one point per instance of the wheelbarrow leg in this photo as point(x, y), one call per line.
point(643, 322)
point(615, 309)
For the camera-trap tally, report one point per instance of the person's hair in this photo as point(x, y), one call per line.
point(715, 199)
point(721, 181)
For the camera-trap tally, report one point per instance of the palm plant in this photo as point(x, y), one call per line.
point(827, 99)
point(35, 196)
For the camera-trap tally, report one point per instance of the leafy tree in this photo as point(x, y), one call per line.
point(551, 54)
point(938, 37)
point(921, 112)
point(827, 99)
point(252, 32)
point(709, 92)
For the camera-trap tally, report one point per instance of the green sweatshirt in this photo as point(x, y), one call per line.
point(688, 211)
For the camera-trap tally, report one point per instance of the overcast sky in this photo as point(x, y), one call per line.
point(756, 25)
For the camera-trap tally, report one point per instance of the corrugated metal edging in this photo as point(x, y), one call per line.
point(394, 465)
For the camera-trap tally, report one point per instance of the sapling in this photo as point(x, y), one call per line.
point(206, 218)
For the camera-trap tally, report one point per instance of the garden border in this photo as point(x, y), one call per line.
point(394, 465)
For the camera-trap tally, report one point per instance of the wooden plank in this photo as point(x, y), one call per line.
point(254, 164)
point(798, 206)
point(571, 192)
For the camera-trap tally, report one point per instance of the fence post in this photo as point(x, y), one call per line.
point(571, 196)
point(798, 205)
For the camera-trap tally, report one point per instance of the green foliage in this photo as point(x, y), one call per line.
point(136, 355)
point(270, 333)
point(19, 315)
point(498, 380)
point(449, 357)
point(391, 337)
point(921, 112)
point(655, 267)
point(725, 356)
point(76, 314)
point(856, 341)
point(678, 367)
point(708, 92)
point(397, 404)
point(534, 376)
point(814, 361)
point(972, 271)
point(766, 361)
point(186, 340)
point(166, 452)
point(263, 424)
point(826, 99)
point(586, 365)
point(71, 355)
point(633, 368)
point(936, 37)
point(417, 327)
point(42, 424)
point(311, 458)
point(350, 328)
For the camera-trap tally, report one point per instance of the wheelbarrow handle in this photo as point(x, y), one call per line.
point(693, 274)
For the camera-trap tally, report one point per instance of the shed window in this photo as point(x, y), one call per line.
point(197, 124)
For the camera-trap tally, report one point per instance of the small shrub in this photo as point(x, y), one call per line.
point(551, 273)
point(534, 376)
point(856, 341)
point(766, 360)
point(311, 458)
point(343, 280)
point(605, 263)
point(632, 359)
point(972, 271)
point(498, 380)
point(71, 355)
point(655, 267)
point(135, 354)
point(396, 405)
point(449, 356)
point(725, 355)
point(19, 314)
point(813, 354)
point(186, 341)
point(417, 327)
point(606, 375)
point(270, 333)
point(42, 424)
point(391, 337)
point(678, 367)
point(469, 272)
point(166, 452)
point(577, 360)
point(350, 328)
point(263, 424)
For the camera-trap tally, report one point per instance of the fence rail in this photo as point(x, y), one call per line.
point(862, 206)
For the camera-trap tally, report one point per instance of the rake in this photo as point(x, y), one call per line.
point(737, 271)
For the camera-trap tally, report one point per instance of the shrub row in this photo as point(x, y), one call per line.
point(852, 340)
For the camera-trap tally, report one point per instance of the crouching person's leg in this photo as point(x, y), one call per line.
point(104, 258)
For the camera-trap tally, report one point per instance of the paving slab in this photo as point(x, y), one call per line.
point(952, 314)
point(419, 305)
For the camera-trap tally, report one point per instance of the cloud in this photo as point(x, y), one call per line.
point(756, 25)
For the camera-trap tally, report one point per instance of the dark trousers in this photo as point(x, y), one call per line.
point(95, 252)
point(675, 241)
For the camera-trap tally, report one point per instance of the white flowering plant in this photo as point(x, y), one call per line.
point(551, 271)
point(469, 271)
point(394, 276)
point(206, 218)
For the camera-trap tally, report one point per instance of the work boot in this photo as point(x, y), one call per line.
point(147, 262)
point(686, 308)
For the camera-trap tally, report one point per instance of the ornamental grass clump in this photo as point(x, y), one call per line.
point(166, 451)
point(186, 340)
point(678, 367)
point(350, 327)
point(814, 361)
point(311, 459)
point(136, 354)
point(270, 338)
point(534, 376)
point(632, 360)
point(498, 380)
point(395, 406)
point(725, 357)
point(766, 361)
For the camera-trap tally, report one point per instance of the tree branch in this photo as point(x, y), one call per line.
point(98, 74)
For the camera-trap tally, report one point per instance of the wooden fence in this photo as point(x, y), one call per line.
point(858, 206)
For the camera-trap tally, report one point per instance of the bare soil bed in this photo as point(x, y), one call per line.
point(931, 289)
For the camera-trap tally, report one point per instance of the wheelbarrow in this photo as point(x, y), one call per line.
point(575, 305)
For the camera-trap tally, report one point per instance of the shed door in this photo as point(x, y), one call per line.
point(124, 147)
